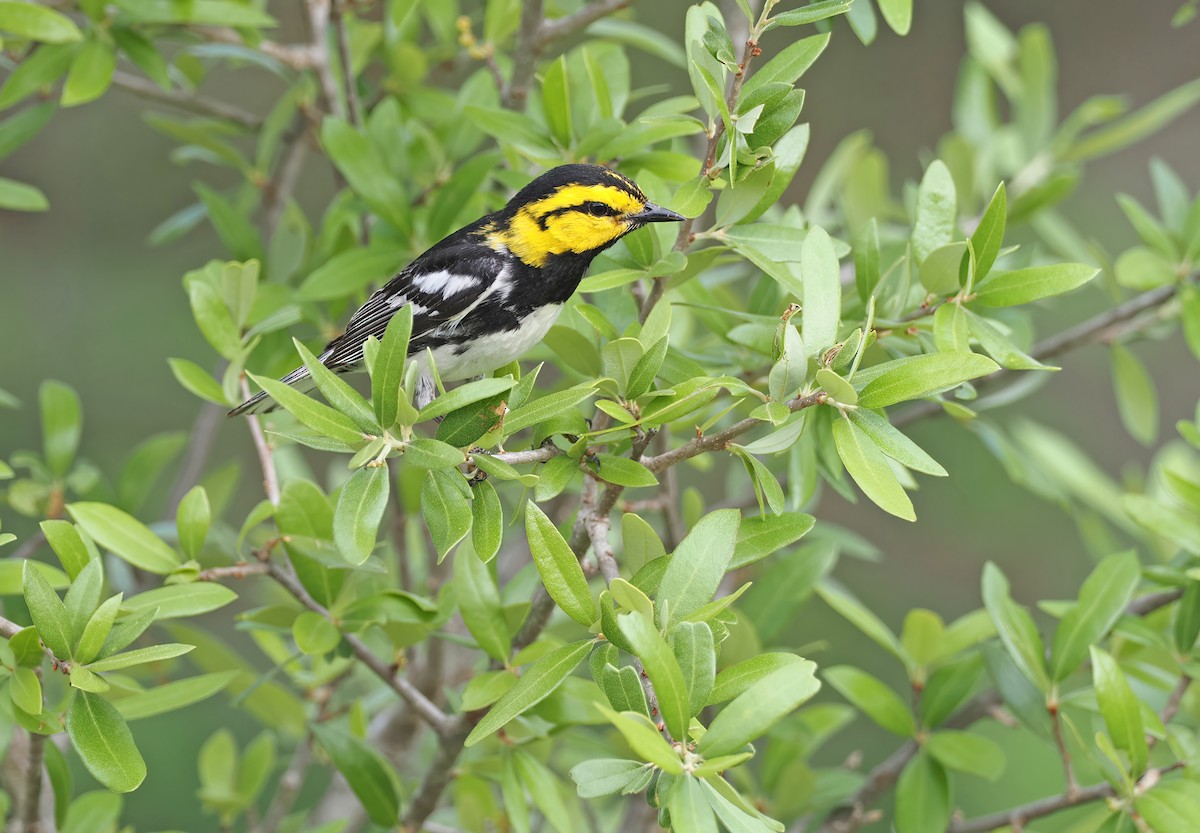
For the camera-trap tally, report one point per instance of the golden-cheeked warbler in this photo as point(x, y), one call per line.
point(487, 293)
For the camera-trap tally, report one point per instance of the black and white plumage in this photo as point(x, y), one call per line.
point(490, 291)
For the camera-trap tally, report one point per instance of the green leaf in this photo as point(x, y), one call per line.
point(699, 563)
point(623, 471)
point(349, 271)
point(644, 739)
point(662, 668)
point(364, 769)
point(895, 444)
point(822, 297)
point(465, 395)
point(556, 101)
point(922, 796)
point(90, 74)
point(62, 425)
point(914, 377)
point(446, 510)
point(1023, 286)
point(696, 654)
point(753, 712)
point(1137, 125)
point(337, 392)
point(487, 521)
point(988, 236)
point(546, 407)
point(17, 196)
point(48, 612)
point(872, 698)
point(1102, 598)
point(33, 74)
point(197, 381)
point(96, 630)
point(605, 776)
point(812, 13)
point(735, 679)
point(125, 536)
point(1170, 808)
point(623, 688)
point(25, 689)
point(360, 507)
point(788, 65)
point(558, 566)
point(192, 519)
point(537, 683)
point(207, 12)
point(177, 601)
point(314, 634)
point(937, 211)
point(862, 618)
point(311, 413)
point(760, 536)
point(1015, 627)
point(83, 597)
point(1137, 399)
point(480, 605)
point(898, 14)
point(542, 785)
point(18, 129)
point(689, 808)
point(174, 695)
point(67, 544)
point(965, 752)
point(38, 23)
point(1120, 708)
point(104, 742)
point(140, 656)
point(866, 463)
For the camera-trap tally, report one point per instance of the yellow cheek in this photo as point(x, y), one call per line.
point(567, 232)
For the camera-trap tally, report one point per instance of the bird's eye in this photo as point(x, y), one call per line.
point(597, 209)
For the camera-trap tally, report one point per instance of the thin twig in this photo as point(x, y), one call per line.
point(195, 456)
point(722, 439)
point(1096, 329)
point(318, 28)
point(1061, 744)
point(438, 774)
point(563, 26)
point(30, 546)
point(297, 56)
point(684, 238)
point(235, 571)
point(429, 712)
point(266, 461)
point(289, 787)
point(189, 102)
point(1018, 816)
point(1173, 702)
point(353, 104)
point(525, 56)
point(1145, 605)
point(9, 629)
point(853, 813)
point(279, 190)
point(30, 813)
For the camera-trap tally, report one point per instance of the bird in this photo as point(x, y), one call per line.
point(484, 295)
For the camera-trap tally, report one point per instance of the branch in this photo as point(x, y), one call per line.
point(848, 818)
point(353, 104)
point(318, 25)
point(30, 812)
point(31, 545)
point(289, 787)
point(684, 238)
point(293, 55)
point(265, 460)
point(525, 56)
point(563, 26)
point(1145, 605)
point(721, 440)
point(191, 102)
point(1099, 328)
point(236, 571)
point(200, 442)
point(425, 801)
point(1018, 816)
point(9, 629)
point(430, 713)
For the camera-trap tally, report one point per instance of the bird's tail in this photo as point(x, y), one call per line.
point(261, 402)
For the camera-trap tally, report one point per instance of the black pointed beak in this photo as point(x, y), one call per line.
point(656, 214)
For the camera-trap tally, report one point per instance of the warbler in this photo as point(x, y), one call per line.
point(487, 293)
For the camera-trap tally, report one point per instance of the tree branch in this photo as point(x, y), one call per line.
point(430, 713)
point(853, 813)
point(190, 102)
point(721, 440)
point(353, 104)
point(525, 56)
point(1096, 329)
point(236, 571)
point(200, 442)
point(30, 800)
point(289, 787)
point(563, 26)
point(265, 460)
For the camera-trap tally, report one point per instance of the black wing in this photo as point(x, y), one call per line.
point(441, 286)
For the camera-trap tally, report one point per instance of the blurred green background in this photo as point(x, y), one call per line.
point(84, 299)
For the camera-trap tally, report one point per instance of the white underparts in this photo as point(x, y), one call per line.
point(485, 353)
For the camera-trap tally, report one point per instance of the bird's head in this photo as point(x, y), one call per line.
point(579, 209)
